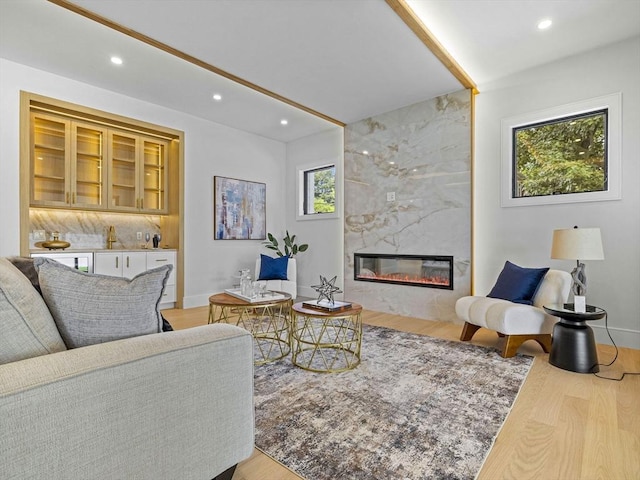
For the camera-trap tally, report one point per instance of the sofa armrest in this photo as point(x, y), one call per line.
point(163, 406)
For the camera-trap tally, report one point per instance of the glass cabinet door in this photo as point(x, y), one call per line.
point(154, 175)
point(89, 169)
point(123, 193)
point(49, 160)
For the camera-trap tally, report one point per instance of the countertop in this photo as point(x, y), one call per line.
point(100, 250)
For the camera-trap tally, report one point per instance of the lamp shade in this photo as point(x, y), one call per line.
point(577, 244)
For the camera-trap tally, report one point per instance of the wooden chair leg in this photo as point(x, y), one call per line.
point(512, 343)
point(544, 340)
point(468, 331)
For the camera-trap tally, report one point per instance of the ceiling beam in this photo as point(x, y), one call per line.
point(408, 16)
point(189, 58)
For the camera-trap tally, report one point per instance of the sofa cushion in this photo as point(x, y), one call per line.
point(91, 309)
point(273, 268)
point(517, 284)
point(28, 330)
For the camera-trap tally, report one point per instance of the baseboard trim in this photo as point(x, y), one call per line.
point(624, 337)
point(195, 301)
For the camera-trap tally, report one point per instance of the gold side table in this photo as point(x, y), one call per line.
point(327, 342)
point(268, 322)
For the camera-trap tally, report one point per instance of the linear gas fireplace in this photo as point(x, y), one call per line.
point(434, 271)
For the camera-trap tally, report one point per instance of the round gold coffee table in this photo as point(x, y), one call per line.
point(327, 342)
point(268, 322)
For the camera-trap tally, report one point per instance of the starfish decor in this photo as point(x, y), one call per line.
point(326, 289)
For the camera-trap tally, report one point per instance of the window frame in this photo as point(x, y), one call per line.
point(611, 103)
point(300, 204)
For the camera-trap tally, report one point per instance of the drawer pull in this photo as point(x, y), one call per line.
point(162, 259)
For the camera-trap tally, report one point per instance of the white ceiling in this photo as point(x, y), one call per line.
point(347, 59)
point(491, 39)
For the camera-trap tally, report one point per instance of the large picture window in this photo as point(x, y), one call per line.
point(562, 155)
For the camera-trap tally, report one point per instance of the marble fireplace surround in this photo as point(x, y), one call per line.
point(407, 189)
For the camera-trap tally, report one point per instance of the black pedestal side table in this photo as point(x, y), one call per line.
point(573, 346)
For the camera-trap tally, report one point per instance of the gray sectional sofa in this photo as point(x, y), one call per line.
point(171, 405)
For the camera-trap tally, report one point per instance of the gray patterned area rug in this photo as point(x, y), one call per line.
point(417, 407)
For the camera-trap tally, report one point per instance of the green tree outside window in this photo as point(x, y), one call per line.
point(567, 155)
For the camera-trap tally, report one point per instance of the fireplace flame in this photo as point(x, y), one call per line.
point(404, 278)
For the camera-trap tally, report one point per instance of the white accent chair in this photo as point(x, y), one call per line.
point(288, 286)
point(516, 322)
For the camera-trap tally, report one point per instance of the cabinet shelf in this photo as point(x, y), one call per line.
point(91, 156)
point(123, 160)
point(120, 185)
point(48, 177)
point(40, 146)
point(89, 182)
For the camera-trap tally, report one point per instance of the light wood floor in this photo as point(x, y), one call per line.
point(563, 425)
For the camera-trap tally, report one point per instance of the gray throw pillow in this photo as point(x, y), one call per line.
point(91, 309)
point(25, 265)
point(26, 326)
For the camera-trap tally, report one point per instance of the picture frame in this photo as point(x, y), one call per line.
point(612, 104)
point(239, 209)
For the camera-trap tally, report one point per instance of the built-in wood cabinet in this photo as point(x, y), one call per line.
point(81, 165)
point(68, 163)
point(138, 173)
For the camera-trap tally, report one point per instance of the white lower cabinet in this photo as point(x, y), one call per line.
point(129, 264)
point(120, 264)
point(165, 257)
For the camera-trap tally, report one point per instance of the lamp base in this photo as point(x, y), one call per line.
point(579, 303)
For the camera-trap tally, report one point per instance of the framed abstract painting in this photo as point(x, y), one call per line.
point(239, 209)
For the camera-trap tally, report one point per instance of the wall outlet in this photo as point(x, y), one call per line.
point(139, 236)
point(391, 196)
point(39, 235)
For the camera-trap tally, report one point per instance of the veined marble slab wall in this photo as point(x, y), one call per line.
point(408, 191)
point(89, 230)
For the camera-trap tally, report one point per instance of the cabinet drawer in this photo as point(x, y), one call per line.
point(158, 259)
point(169, 294)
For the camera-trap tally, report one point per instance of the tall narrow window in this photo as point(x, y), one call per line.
point(319, 194)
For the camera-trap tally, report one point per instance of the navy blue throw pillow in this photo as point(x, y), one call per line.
point(273, 268)
point(518, 284)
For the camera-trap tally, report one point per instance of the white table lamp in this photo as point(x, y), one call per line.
point(578, 244)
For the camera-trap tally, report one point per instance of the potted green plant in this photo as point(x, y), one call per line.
point(290, 247)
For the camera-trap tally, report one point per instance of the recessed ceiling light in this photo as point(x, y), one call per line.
point(116, 60)
point(365, 152)
point(217, 97)
point(544, 24)
point(284, 121)
point(392, 163)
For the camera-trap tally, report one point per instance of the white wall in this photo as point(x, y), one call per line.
point(324, 235)
point(210, 149)
point(523, 234)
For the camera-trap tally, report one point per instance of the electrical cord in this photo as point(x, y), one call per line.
point(606, 326)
